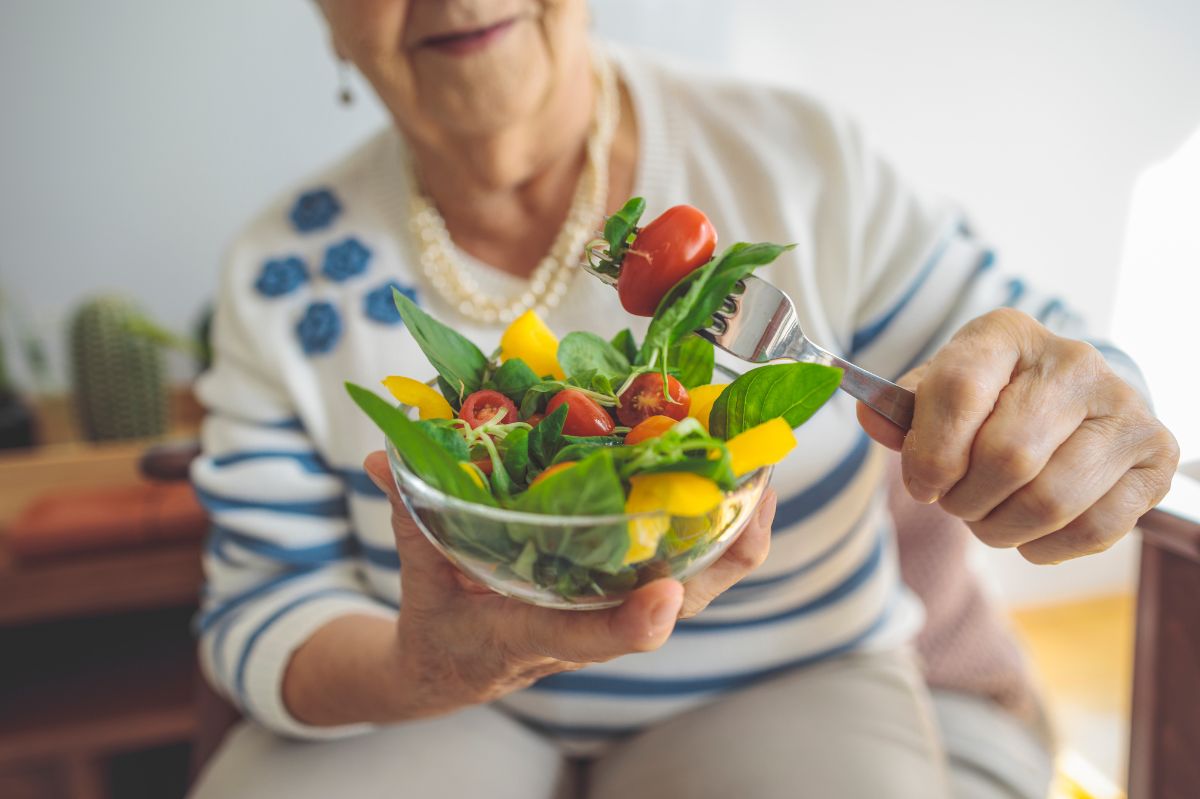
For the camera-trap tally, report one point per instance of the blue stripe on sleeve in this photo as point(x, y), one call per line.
point(314, 555)
point(265, 624)
point(821, 557)
point(358, 482)
point(1053, 306)
point(586, 682)
point(217, 503)
point(866, 335)
point(795, 509)
point(839, 592)
point(380, 556)
point(308, 461)
point(1016, 290)
point(211, 617)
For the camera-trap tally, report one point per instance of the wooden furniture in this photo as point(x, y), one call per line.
point(97, 661)
point(1164, 752)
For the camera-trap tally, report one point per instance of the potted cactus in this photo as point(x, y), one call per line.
point(119, 370)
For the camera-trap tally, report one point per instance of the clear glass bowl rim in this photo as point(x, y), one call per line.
point(416, 485)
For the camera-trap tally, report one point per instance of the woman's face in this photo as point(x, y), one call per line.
point(461, 66)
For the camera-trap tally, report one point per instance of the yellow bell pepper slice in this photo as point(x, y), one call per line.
point(674, 493)
point(429, 403)
point(529, 339)
point(703, 398)
point(474, 472)
point(761, 445)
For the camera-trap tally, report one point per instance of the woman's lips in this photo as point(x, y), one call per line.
point(468, 41)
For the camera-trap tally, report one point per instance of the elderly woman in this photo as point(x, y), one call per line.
point(513, 134)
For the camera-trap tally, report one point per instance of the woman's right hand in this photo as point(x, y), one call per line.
point(459, 644)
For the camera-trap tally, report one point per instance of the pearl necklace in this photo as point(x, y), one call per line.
point(547, 284)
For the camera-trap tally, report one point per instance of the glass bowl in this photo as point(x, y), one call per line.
point(511, 552)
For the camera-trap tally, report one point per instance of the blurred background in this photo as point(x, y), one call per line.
point(138, 136)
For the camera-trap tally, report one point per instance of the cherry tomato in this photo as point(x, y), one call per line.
point(534, 418)
point(481, 406)
point(558, 467)
point(484, 464)
point(653, 427)
point(664, 251)
point(585, 417)
point(644, 398)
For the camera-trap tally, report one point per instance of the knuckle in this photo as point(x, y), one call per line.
point(937, 469)
point(1011, 460)
point(1045, 507)
point(993, 535)
point(1079, 356)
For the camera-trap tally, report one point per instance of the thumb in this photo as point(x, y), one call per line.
point(877, 426)
point(426, 574)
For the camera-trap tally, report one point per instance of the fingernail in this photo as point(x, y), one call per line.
point(662, 615)
point(923, 493)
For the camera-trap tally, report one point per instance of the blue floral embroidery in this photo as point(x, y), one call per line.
point(380, 306)
point(345, 260)
point(281, 276)
point(319, 329)
point(315, 210)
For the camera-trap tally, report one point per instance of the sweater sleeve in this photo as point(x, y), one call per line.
point(921, 274)
point(279, 560)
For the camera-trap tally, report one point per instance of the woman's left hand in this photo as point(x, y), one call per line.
point(1031, 439)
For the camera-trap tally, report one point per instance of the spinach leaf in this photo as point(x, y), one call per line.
point(447, 437)
point(514, 378)
point(545, 440)
point(535, 394)
point(459, 362)
point(618, 229)
point(581, 352)
point(690, 304)
point(792, 390)
point(625, 344)
point(693, 358)
point(516, 455)
point(590, 487)
point(421, 453)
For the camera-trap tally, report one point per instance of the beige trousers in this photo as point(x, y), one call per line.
point(863, 725)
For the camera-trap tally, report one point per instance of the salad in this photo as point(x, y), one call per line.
point(592, 427)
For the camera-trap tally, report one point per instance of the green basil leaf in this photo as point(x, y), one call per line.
point(535, 394)
point(545, 440)
point(459, 362)
point(693, 358)
point(691, 302)
point(447, 437)
point(618, 228)
point(589, 488)
point(581, 352)
point(516, 455)
point(792, 390)
point(421, 453)
point(625, 344)
point(514, 378)
point(602, 385)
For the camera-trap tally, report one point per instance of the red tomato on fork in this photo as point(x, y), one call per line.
point(585, 417)
point(664, 251)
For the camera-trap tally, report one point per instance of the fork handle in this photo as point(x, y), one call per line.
point(882, 396)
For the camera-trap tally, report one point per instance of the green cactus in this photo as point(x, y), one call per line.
point(119, 374)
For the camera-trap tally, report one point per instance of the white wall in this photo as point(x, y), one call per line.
point(138, 134)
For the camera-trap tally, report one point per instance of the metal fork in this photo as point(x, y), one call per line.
point(759, 324)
